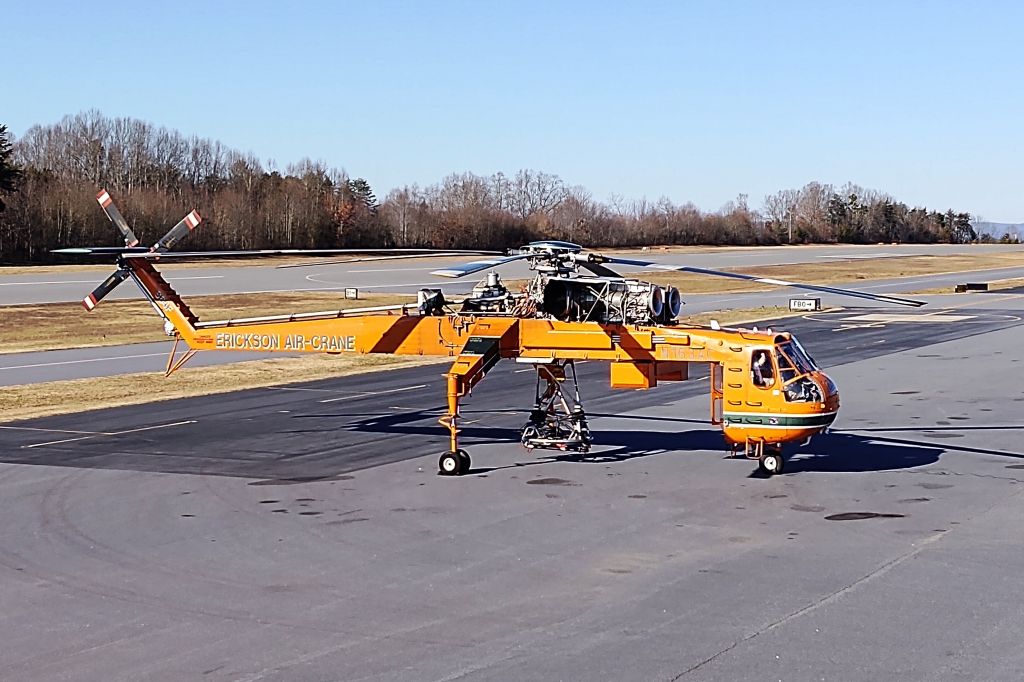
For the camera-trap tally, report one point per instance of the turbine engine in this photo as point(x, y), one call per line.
point(610, 301)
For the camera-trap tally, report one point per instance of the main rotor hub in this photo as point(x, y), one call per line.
point(551, 248)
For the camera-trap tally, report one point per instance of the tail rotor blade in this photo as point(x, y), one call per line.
point(184, 226)
point(107, 204)
point(105, 287)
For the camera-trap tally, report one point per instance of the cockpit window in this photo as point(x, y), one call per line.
point(762, 372)
point(801, 360)
point(795, 362)
point(803, 390)
point(804, 353)
point(787, 372)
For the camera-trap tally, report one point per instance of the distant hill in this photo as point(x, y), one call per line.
point(997, 230)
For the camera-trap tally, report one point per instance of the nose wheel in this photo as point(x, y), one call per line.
point(768, 455)
point(770, 462)
point(454, 463)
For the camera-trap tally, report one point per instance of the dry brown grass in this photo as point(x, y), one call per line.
point(994, 285)
point(839, 271)
point(52, 326)
point(77, 395)
point(738, 316)
point(54, 269)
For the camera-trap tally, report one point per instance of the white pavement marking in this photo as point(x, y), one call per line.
point(930, 317)
point(75, 362)
point(34, 428)
point(295, 388)
point(851, 256)
point(394, 270)
point(111, 433)
point(92, 281)
point(336, 285)
point(367, 394)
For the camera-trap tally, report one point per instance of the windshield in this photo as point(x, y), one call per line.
point(796, 353)
point(787, 371)
point(803, 351)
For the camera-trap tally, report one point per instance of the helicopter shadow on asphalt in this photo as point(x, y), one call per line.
point(853, 451)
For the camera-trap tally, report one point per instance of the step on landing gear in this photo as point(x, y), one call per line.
point(768, 455)
point(557, 421)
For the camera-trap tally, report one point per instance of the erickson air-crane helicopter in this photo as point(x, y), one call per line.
point(766, 390)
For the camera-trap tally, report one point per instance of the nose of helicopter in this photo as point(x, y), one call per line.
point(831, 394)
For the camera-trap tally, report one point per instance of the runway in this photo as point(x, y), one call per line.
point(411, 275)
point(301, 533)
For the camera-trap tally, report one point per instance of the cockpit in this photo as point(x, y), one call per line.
point(788, 367)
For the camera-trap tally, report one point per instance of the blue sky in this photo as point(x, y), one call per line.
point(696, 101)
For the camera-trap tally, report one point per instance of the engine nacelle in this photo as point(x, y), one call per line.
point(610, 301)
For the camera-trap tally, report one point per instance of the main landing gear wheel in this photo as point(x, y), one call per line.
point(454, 463)
point(770, 462)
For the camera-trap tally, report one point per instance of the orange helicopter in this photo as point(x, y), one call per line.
point(765, 392)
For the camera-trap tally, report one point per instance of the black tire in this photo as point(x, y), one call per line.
point(449, 464)
point(771, 462)
point(464, 462)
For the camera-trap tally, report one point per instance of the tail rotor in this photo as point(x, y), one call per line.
point(173, 236)
point(107, 204)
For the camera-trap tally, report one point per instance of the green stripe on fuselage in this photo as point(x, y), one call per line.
point(779, 421)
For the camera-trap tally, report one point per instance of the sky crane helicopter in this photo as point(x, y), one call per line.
point(765, 391)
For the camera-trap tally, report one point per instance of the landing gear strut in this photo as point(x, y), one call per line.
point(557, 421)
point(768, 455)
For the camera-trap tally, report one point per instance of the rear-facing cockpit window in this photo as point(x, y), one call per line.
point(762, 371)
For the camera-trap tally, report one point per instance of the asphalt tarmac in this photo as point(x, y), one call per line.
point(301, 533)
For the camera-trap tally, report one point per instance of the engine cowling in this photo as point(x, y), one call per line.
point(610, 301)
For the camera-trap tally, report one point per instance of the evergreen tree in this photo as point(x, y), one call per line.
point(9, 173)
point(363, 194)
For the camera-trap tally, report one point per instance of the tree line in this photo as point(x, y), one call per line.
point(49, 178)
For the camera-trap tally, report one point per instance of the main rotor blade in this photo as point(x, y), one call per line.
point(184, 226)
point(105, 287)
point(592, 264)
point(464, 269)
point(260, 253)
point(107, 204)
point(767, 280)
point(100, 250)
point(401, 256)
